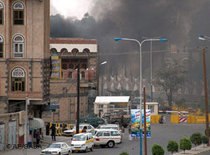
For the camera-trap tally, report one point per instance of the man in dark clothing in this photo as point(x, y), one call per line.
point(53, 132)
point(37, 135)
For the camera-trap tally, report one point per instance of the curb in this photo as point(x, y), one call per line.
point(195, 150)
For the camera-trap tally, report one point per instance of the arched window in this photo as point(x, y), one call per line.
point(18, 46)
point(75, 51)
point(18, 13)
point(18, 79)
point(1, 46)
point(1, 13)
point(86, 50)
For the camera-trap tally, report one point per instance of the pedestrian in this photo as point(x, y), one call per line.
point(53, 131)
point(37, 135)
point(48, 129)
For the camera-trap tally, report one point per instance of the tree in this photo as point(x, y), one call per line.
point(124, 153)
point(172, 146)
point(170, 79)
point(196, 138)
point(185, 144)
point(157, 150)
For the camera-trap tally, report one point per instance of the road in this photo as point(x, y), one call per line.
point(161, 134)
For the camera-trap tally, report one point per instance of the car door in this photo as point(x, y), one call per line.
point(98, 138)
point(106, 137)
point(63, 149)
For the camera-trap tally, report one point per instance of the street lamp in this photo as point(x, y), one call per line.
point(140, 66)
point(102, 63)
point(203, 38)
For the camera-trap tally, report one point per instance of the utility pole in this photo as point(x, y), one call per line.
point(206, 94)
point(78, 96)
point(145, 124)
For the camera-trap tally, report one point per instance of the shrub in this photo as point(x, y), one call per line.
point(196, 138)
point(157, 150)
point(185, 144)
point(124, 153)
point(172, 146)
point(204, 139)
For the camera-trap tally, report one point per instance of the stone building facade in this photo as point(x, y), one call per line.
point(24, 55)
point(63, 89)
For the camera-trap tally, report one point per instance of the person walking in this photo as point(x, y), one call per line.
point(53, 131)
point(37, 135)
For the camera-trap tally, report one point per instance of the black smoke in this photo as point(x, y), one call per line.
point(181, 21)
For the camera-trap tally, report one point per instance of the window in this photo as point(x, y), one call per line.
point(70, 75)
point(18, 13)
point(18, 79)
point(1, 13)
point(18, 46)
point(99, 134)
point(106, 134)
point(83, 75)
point(1, 47)
point(114, 133)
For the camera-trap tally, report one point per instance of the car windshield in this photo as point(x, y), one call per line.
point(80, 127)
point(55, 146)
point(109, 127)
point(79, 138)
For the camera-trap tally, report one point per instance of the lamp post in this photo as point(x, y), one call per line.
point(98, 74)
point(140, 86)
point(203, 38)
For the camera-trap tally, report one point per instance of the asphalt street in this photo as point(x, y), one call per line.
point(161, 134)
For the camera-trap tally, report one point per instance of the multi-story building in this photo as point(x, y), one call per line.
point(24, 55)
point(72, 53)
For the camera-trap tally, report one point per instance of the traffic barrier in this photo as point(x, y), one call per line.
point(174, 118)
point(191, 119)
point(200, 119)
point(155, 118)
point(182, 117)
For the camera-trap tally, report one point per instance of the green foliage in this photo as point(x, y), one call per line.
point(185, 144)
point(124, 153)
point(172, 146)
point(204, 139)
point(157, 150)
point(196, 138)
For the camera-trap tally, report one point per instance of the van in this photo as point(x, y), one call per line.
point(82, 142)
point(107, 137)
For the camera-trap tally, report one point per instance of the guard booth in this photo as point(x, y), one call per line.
point(108, 104)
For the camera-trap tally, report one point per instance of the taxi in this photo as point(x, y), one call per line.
point(82, 142)
point(107, 137)
point(71, 132)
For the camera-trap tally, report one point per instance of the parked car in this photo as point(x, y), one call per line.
point(107, 137)
point(82, 142)
point(58, 148)
point(110, 126)
point(71, 132)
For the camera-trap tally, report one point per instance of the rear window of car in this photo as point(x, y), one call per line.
point(115, 133)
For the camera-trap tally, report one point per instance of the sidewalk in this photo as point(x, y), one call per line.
point(195, 150)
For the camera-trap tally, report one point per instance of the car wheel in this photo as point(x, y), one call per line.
point(73, 151)
point(91, 149)
point(86, 149)
point(110, 144)
point(69, 152)
point(59, 153)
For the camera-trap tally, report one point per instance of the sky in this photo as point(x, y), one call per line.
point(71, 8)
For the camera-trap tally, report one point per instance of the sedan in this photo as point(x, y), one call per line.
point(58, 148)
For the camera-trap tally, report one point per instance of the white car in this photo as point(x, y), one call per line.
point(82, 142)
point(81, 127)
point(110, 126)
point(107, 137)
point(58, 148)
